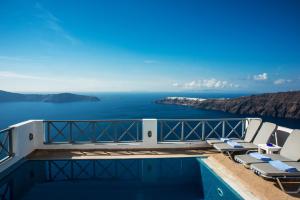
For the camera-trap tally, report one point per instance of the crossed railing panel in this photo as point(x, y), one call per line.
point(5, 144)
point(199, 129)
point(97, 131)
point(65, 170)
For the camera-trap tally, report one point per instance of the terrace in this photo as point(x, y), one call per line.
point(94, 140)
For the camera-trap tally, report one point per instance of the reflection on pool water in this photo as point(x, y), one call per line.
point(164, 178)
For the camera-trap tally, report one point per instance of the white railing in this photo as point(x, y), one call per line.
point(130, 131)
point(200, 129)
point(5, 144)
point(25, 137)
point(93, 131)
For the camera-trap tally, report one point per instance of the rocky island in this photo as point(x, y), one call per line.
point(51, 98)
point(281, 104)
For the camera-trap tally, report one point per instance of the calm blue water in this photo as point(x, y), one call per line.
point(117, 106)
point(140, 179)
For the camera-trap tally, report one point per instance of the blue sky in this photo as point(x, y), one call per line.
point(157, 45)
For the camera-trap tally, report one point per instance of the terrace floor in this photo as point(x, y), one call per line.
point(244, 181)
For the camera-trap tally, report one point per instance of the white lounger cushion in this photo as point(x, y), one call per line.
point(223, 147)
point(267, 170)
point(215, 141)
point(246, 159)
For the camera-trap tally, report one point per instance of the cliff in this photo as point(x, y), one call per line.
point(52, 98)
point(282, 104)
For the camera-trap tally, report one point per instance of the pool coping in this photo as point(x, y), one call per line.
point(86, 154)
point(229, 178)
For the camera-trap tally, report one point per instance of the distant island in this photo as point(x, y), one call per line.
point(281, 104)
point(51, 98)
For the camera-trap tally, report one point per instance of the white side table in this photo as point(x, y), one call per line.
point(268, 149)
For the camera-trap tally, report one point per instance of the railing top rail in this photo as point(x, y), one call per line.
point(5, 130)
point(163, 119)
point(212, 119)
point(109, 120)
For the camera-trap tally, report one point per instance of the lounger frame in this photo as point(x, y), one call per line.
point(280, 180)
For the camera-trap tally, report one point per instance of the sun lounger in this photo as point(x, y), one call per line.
point(247, 160)
point(268, 171)
point(289, 152)
point(251, 131)
point(262, 137)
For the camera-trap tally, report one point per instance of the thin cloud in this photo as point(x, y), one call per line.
point(282, 81)
point(54, 24)
point(13, 81)
point(260, 77)
point(206, 84)
point(8, 74)
point(176, 85)
point(14, 75)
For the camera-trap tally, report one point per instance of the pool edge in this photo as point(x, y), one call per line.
point(228, 178)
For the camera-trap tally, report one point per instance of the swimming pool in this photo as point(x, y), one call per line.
point(143, 179)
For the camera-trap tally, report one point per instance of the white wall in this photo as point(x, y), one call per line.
point(21, 145)
point(149, 129)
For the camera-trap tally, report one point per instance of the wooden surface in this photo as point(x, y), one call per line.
point(97, 154)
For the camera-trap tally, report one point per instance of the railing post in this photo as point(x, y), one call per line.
point(93, 139)
point(137, 132)
point(182, 131)
point(48, 132)
point(71, 133)
point(150, 132)
point(223, 128)
point(10, 142)
point(161, 131)
point(203, 130)
point(243, 128)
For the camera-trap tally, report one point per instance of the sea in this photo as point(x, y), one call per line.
point(121, 106)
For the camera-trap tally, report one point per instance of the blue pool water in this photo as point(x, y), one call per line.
point(140, 179)
point(118, 106)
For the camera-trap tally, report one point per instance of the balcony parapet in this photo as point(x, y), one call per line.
point(131, 134)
